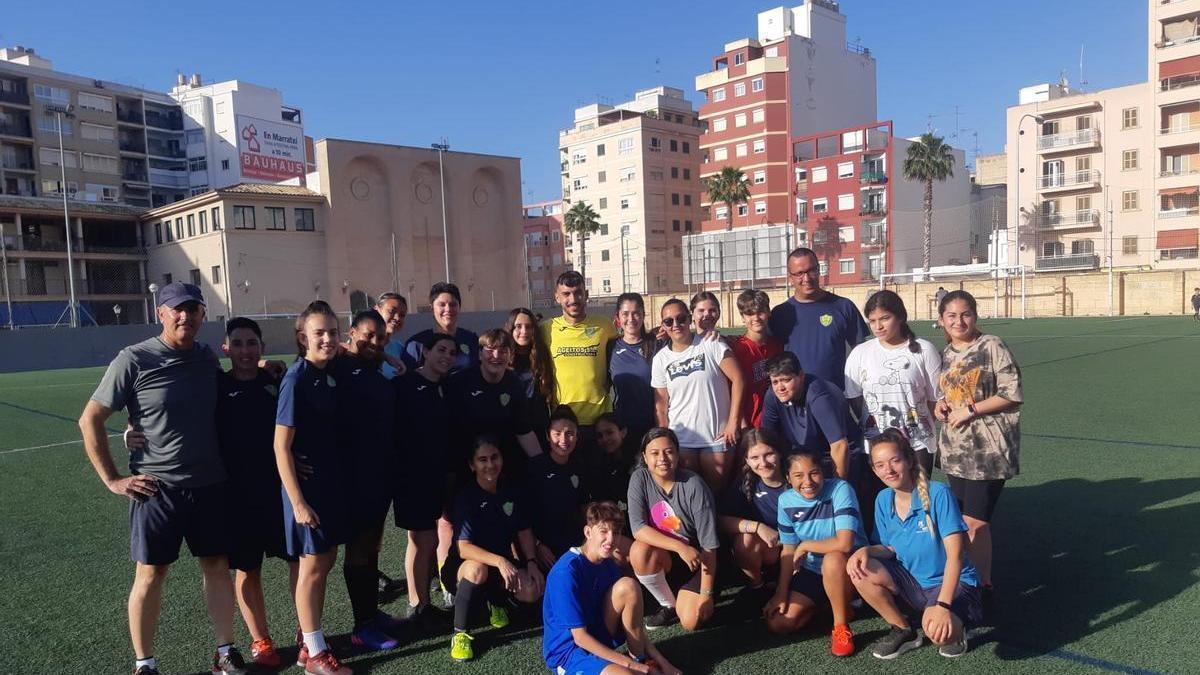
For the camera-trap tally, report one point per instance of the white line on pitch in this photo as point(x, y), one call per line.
point(49, 445)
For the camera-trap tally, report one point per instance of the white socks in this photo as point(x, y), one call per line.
point(658, 587)
point(148, 661)
point(315, 641)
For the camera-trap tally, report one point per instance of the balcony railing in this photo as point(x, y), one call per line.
point(135, 176)
point(169, 178)
point(20, 96)
point(1054, 181)
point(130, 116)
point(1177, 41)
point(1179, 82)
point(132, 145)
point(872, 236)
point(1179, 212)
point(564, 167)
point(1080, 138)
point(873, 209)
point(1081, 218)
point(1179, 129)
point(160, 150)
point(164, 121)
point(17, 164)
point(872, 177)
point(1073, 261)
point(15, 129)
point(1168, 173)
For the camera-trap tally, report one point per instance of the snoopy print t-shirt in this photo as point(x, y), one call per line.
point(898, 386)
point(686, 513)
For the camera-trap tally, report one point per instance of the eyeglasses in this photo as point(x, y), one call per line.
point(805, 273)
point(672, 321)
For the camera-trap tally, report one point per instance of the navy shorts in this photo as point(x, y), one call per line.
point(582, 662)
point(160, 524)
point(255, 534)
point(966, 604)
point(418, 507)
point(809, 584)
point(334, 530)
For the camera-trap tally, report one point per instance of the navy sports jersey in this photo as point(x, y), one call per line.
point(246, 435)
point(466, 342)
point(629, 371)
point(490, 521)
point(761, 506)
point(816, 415)
point(820, 333)
point(366, 409)
point(609, 479)
point(500, 409)
point(422, 427)
point(559, 493)
point(539, 409)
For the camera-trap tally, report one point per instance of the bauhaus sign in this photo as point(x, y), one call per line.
point(270, 150)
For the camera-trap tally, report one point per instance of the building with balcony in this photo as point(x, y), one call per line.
point(1113, 174)
point(545, 253)
point(638, 165)
point(856, 210)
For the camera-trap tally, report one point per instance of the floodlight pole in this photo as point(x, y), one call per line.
point(72, 307)
point(441, 148)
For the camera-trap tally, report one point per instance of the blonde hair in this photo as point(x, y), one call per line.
point(916, 472)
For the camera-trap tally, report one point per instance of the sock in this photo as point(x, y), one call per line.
point(362, 585)
point(658, 587)
point(222, 650)
point(315, 641)
point(148, 661)
point(462, 604)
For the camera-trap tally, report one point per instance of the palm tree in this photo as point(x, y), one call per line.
point(730, 186)
point(582, 220)
point(929, 159)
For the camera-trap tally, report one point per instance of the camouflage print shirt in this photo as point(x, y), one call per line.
point(988, 447)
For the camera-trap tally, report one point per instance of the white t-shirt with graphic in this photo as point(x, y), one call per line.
point(898, 387)
point(697, 389)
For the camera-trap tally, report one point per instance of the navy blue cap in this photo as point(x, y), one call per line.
point(176, 293)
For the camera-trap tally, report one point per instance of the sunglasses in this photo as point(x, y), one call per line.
point(672, 321)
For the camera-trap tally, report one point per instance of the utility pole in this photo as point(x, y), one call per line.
point(72, 307)
point(1111, 298)
point(441, 148)
point(4, 267)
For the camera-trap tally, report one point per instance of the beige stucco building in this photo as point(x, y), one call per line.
point(1114, 172)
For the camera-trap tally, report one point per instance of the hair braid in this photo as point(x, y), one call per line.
point(922, 484)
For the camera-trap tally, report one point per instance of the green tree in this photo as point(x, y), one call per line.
point(583, 221)
point(929, 159)
point(729, 186)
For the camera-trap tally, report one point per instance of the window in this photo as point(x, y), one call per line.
point(224, 165)
point(628, 175)
point(193, 137)
point(93, 102)
point(674, 145)
point(97, 132)
point(739, 89)
point(579, 184)
point(243, 217)
point(687, 148)
point(846, 202)
point(758, 115)
point(742, 209)
point(760, 208)
point(687, 174)
point(674, 225)
point(845, 234)
point(718, 124)
point(687, 200)
point(1129, 160)
point(771, 52)
point(760, 145)
point(604, 229)
point(601, 176)
point(216, 274)
point(674, 172)
point(1129, 120)
point(1083, 164)
point(606, 285)
point(823, 267)
point(604, 202)
point(100, 163)
point(600, 150)
point(624, 203)
point(718, 95)
point(720, 154)
point(306, 220)
point(1129, 200)
point(687, 226)
point(198, 163)
point(167, 228)
point(276, 220)
point(579, 158)
point(721, 213)
point(195, 277)
point(656, 174)
point(846, 266)
point(1083, 122)
point(191, 224)
point(820, 205)
point(49, 157)
point(760, 177)
point(554, 236)
point(845, 169)
point(655, 144)
point(1129, 244)
point(1083, 203)
point(820, 174)
point(1083, 246)
point(53, 94)
point(624, 146)
point(739, 120)
point(756, 84)
point(167, 278)
point(216, 218)
point(740, 150)
point(739, 58)
point(1050, 128)
point(48, 123)
point(158, 233)
point(179, 227)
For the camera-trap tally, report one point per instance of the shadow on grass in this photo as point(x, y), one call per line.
point(1076, 557)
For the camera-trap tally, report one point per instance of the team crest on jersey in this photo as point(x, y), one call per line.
point(464, 349)
point(826, 320)
point(574, 481)
point(590, 331)
point(330, 381)
point(686, 367)
point(272, 390)
point(508, 508)
point(504, 399)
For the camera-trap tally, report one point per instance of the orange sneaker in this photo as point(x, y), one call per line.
point(263, 653)
point(325, 664)
point(302, 649)
point(843, 640)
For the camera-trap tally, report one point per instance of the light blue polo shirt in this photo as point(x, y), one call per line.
point(835, 508)
point(923, 555)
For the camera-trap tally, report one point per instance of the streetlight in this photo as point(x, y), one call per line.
point(1020, 209)
point(59, 113)
point(154, 298)
point(443, 147)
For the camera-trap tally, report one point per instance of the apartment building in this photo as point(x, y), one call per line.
point(638, 165)
point(545, 251)
point(856, 210)
point(1114, 172)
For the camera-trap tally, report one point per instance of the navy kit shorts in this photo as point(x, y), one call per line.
point(255, 534)
point(966, 605)
point(334, 530)
point(160, 524)
point(423, 500)
point(809, 584)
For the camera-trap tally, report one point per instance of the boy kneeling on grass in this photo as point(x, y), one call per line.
point(590, 608)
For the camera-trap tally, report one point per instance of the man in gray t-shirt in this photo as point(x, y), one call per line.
point(168, 385)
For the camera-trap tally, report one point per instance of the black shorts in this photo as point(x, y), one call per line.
point(809, 584)
point(160, 524)
point(680, 578)
point(494, 583)
point(256, 533)
point(976, 498)
point(418, 506)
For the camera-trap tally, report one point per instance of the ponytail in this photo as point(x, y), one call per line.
point(922, 483)
point(913, 345)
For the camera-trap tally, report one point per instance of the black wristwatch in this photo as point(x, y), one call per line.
point(945, 605)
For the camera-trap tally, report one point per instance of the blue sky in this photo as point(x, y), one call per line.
point(496, 77)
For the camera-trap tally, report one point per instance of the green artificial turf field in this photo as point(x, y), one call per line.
point(1096, 560)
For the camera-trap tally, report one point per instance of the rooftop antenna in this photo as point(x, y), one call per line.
point(657, 66)
point(1082, 82)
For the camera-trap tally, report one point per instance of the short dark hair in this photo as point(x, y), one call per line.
point(570, 279)
point(384, 297)
point(784, 363)
point(444, 287)
point(564, 412)
point(605, 512)
point(701, 297)
point(752, 301)
point(434, 338)
point(367, 315)
point(240, 322)
point(804, 252)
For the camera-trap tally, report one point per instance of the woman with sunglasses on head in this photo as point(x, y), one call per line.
point(698, 394)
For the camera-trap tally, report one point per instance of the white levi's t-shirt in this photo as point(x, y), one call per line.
point(897, 386)
point(697, 389)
